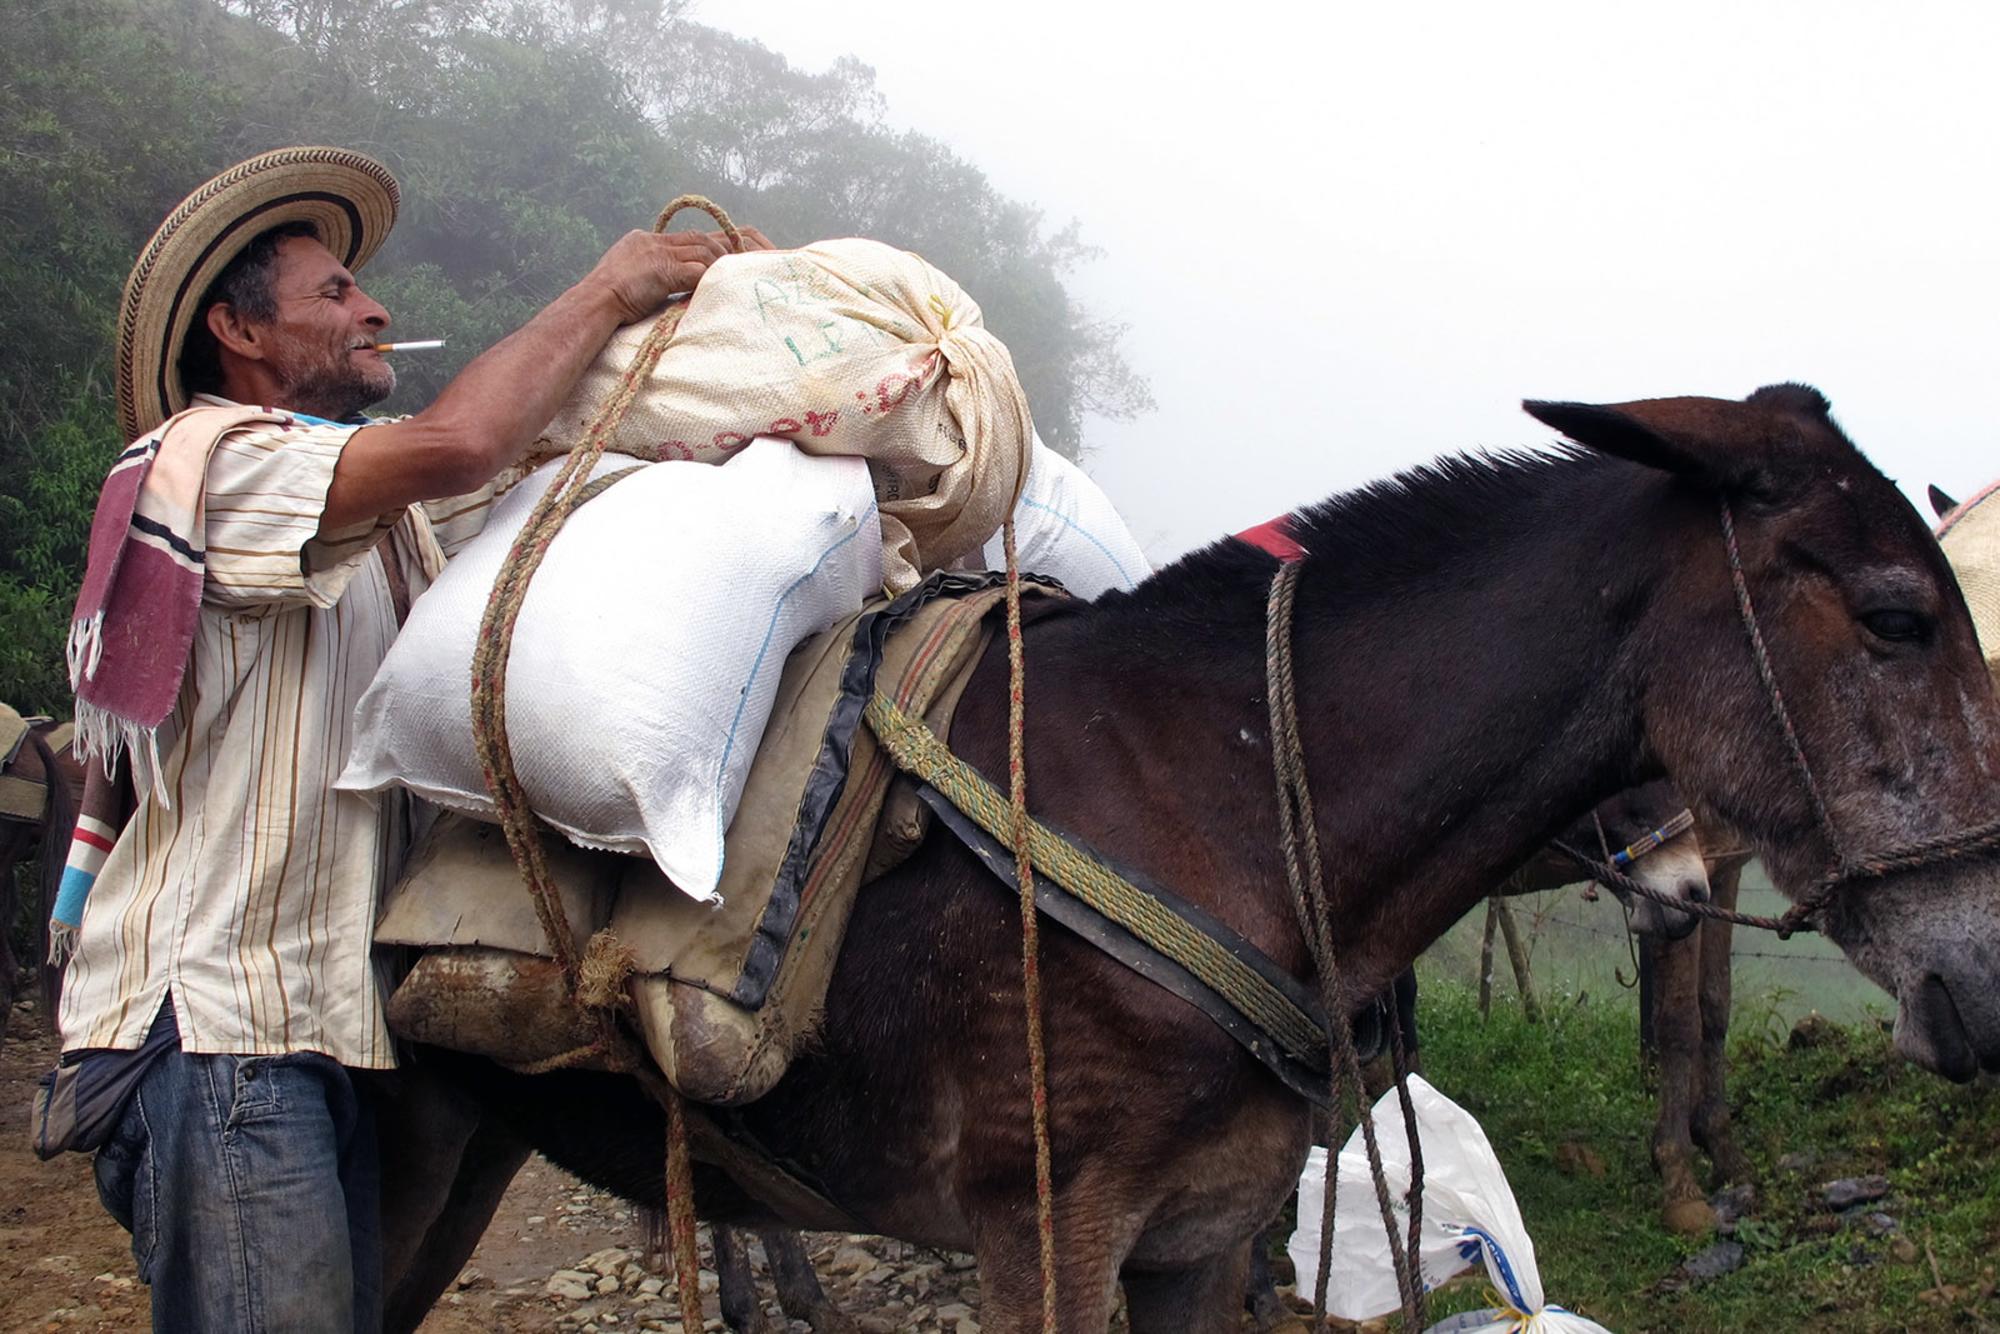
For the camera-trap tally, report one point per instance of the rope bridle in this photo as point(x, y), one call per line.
point(1843, 868)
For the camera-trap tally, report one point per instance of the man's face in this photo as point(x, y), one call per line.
point(323, 338)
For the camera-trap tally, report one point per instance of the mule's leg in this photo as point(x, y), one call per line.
point(1010, 1273)
point(444, 1168)
point(1711, 1108)
point(13, 841)
point(1200, 1299)
point(1677, 1028)
point(736, 1286)
point(1260, 1298)
point(799, 1293)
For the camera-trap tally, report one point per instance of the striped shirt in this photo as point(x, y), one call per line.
point(250, 893)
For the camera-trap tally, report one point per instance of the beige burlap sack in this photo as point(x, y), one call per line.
point(1970, 536)
point(844, 347)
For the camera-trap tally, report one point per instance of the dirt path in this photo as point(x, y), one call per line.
point(558, 1256)
point(64, 1265)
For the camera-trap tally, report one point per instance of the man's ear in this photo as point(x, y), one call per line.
point(233, 333)
point(1752, 445)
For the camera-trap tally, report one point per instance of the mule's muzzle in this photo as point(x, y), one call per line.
point(1933, 1031)
point(1679, 873)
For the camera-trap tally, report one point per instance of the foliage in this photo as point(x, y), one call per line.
point(526, 134)
point(1846, 1108)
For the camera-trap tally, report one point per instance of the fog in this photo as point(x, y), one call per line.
point(1349, 238)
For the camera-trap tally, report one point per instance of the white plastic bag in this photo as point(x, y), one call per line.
point(1469, 1214)
point(647, 653)
point(1065, 527)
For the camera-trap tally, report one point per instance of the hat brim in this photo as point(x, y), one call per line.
point(350, 199)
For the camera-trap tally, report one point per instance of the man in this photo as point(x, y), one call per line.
point(248, 569)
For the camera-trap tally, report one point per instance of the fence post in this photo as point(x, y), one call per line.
point(1486, 958)
point(1517, 954)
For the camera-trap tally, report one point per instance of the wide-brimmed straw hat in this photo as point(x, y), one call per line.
point(350, 198)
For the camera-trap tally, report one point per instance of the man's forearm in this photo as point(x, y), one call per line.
point(485, 418)
point(499, 402)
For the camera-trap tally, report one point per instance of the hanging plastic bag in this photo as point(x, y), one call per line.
point(1469, 1215)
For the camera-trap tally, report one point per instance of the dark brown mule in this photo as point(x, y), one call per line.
point(1684, 994)
point(58, 772)
point(1485, 649)
point(1685, 1014)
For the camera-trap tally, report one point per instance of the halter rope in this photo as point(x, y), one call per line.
point(1300, 833)
point(1843, 868)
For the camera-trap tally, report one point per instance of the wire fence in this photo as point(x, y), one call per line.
point(1578, 948)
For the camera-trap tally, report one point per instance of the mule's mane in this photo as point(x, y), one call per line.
point(1384, 534)
point(1410, 524)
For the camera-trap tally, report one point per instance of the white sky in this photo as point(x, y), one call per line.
point(1352, 237)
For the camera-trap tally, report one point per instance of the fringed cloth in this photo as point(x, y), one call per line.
point(140, 602)
point(133, 631)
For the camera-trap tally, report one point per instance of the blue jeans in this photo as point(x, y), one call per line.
point(251, 1190)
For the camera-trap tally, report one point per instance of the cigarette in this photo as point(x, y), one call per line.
point(420, 345)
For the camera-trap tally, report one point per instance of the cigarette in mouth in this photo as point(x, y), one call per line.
point(420, 345)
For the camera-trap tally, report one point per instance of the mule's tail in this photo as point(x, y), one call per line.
point(59, 816)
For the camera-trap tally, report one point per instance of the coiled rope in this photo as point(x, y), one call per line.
point(1300, 834)
point(596, 981)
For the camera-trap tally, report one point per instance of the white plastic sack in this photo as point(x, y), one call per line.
point(1064, 526)
point(1469, 1214)
point(845, 347)
point(647, 653)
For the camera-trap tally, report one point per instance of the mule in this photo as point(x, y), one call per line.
point(57, 771)
point(1684, 986)
point(1485, 647)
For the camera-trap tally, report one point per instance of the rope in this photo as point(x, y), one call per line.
point(1613, 879)
point(1299, 830)
point(1031, 970)
point(1843, 868)
point(596, 982)
point(1761, 655)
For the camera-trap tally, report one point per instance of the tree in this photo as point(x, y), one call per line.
point(527, 134)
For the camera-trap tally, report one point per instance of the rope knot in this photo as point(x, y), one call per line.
point(607, 963)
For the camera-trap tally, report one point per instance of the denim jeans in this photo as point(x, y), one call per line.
point(251, 1189)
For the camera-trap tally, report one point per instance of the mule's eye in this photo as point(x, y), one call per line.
point(1898, 627)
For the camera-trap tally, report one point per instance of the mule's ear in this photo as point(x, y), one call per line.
point(1612, 429)
point(1751, 445)
point(1941, 504)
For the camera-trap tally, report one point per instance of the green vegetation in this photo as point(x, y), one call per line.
point(1559, 1097)
point(527, 134)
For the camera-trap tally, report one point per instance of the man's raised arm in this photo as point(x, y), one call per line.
point(489, 414)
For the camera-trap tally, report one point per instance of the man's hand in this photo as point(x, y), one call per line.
point(487, 417)
point(643, 269)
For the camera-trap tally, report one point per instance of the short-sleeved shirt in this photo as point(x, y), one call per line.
point(251, 892)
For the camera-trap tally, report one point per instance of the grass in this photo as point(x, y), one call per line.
point(1543, 1091)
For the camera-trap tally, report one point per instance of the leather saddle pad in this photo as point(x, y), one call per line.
point(724, 991)
point(25, 798)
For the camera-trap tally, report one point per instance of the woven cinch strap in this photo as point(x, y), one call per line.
point(917, 750)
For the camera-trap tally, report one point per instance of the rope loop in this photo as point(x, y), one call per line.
point(708, 206)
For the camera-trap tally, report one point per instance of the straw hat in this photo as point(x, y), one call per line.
point(350, 198)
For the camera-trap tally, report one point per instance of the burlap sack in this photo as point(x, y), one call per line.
point(1970, 536)
point(844, 347)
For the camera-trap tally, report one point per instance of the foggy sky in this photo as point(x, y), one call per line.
point(1349, 238)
